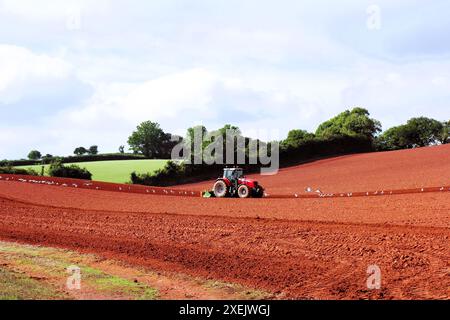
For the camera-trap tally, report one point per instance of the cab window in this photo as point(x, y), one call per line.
point(228, 174)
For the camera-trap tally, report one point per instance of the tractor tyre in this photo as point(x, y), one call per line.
point(243, 192)
point(220, 189)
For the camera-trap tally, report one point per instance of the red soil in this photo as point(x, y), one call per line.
point(313, 248)
point(418, 168)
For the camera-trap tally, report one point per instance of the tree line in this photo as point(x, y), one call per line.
point(352, 131)
point(150, 140)
point(417, 132)
point(80, 151)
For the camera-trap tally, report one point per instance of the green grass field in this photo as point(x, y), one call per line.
point(114, 171)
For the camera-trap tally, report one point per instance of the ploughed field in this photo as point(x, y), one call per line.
point(293, 248)
point(404, 169)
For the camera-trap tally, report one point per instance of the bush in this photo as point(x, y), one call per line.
point(57, 169)
point(18, 163)
point(324, 147)
point(102, 157)
point(172, 173)
point(17, 171)
point(5, 163)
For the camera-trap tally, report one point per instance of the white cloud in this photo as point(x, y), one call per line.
point(195, 96)
point(255, 64)
point(397, 92)
point(51, 9)
point(260, 101)
point(177, 101)
point(22, 71)
point(165, 97)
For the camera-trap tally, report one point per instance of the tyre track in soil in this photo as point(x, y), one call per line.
point(431, 209)
point(294, 259)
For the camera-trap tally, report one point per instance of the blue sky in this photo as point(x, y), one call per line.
point(87, 72)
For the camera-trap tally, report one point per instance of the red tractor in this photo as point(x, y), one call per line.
point(235, 184)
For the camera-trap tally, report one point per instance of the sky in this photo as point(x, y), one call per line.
point(82, 72)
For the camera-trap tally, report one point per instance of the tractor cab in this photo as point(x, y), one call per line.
point(233, 174)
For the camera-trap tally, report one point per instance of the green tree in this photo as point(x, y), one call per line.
point(93, 150)
point(396, 138)
point(199, 133)
point(417, 132)
point(34, 155)
point(122, 149)
point(148, 139)
point(445, 135)
point(230, 130)
point(168, 143)
point(424, 131)
point(228, 133)
point(296, 137)
point(356, 122)
point(207, 138)
point(80, 151)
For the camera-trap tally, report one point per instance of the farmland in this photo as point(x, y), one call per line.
point(35, 272)
point(291, 248)
point(114, 171)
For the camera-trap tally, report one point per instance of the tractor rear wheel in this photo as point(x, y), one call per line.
point(220, 189)
point(243, 192)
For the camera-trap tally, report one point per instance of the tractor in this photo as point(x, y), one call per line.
point(233, 183)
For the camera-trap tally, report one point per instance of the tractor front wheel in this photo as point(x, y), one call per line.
point(243, 192)
point(220, 189)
